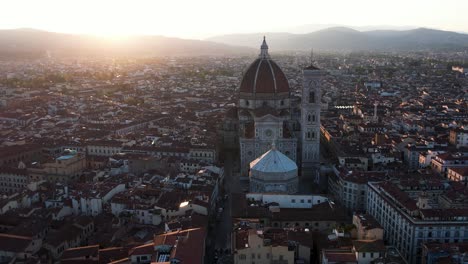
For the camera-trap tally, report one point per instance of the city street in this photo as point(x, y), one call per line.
point(223, 226)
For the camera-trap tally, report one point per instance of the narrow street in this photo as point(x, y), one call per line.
point(221, 234)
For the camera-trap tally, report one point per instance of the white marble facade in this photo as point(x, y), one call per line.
point(266, 115)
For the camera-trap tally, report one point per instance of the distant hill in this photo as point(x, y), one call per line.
point(347, 39)
point(308, 28)
point(33, 43)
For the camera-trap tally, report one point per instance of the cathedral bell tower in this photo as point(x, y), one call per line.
point(310, 121)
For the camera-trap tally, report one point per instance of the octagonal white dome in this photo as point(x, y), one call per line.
point(273, 161)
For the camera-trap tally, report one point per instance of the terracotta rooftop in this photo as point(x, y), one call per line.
point(12, 243)
point(80, 252)
point(264, 76)
point(369, 246)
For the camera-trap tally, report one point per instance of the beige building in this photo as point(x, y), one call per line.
point(459, 174)
point(252, 246)
point(367, 227)
point(65, 168)
point(442, 162)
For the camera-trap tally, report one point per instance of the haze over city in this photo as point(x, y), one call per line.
point(206, 18)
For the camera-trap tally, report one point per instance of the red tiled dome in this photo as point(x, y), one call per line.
point(264, 76)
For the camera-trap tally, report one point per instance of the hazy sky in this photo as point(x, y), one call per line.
point(203, 18)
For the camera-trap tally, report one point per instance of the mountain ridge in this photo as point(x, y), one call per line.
point(348, 39)
point(29, 42)
point(33, 42)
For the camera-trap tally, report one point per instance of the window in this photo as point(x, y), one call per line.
point(372, 254)
point(280, 257)
point(311, 97)
point(293, 200)
point(267, 255)
point(302, 200)
point(282, 102)
point(310, 201)
point(253, 255)
point(242, 256)
point(247, 102)
point(363, 254)
point(309, 118)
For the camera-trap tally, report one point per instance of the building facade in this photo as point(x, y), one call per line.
point(409, 222)
point(13, 180)
point(459, 137)
point(251, 246)
point(267, 113)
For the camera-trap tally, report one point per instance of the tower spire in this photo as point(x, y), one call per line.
point(264, 50)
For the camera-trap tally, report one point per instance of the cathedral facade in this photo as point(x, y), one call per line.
point(267, 114)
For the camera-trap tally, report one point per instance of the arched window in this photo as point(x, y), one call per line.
point(311, 97)
point(309, 118)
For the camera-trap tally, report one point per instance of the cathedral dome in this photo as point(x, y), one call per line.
point(273, 161)
point(264, 76)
